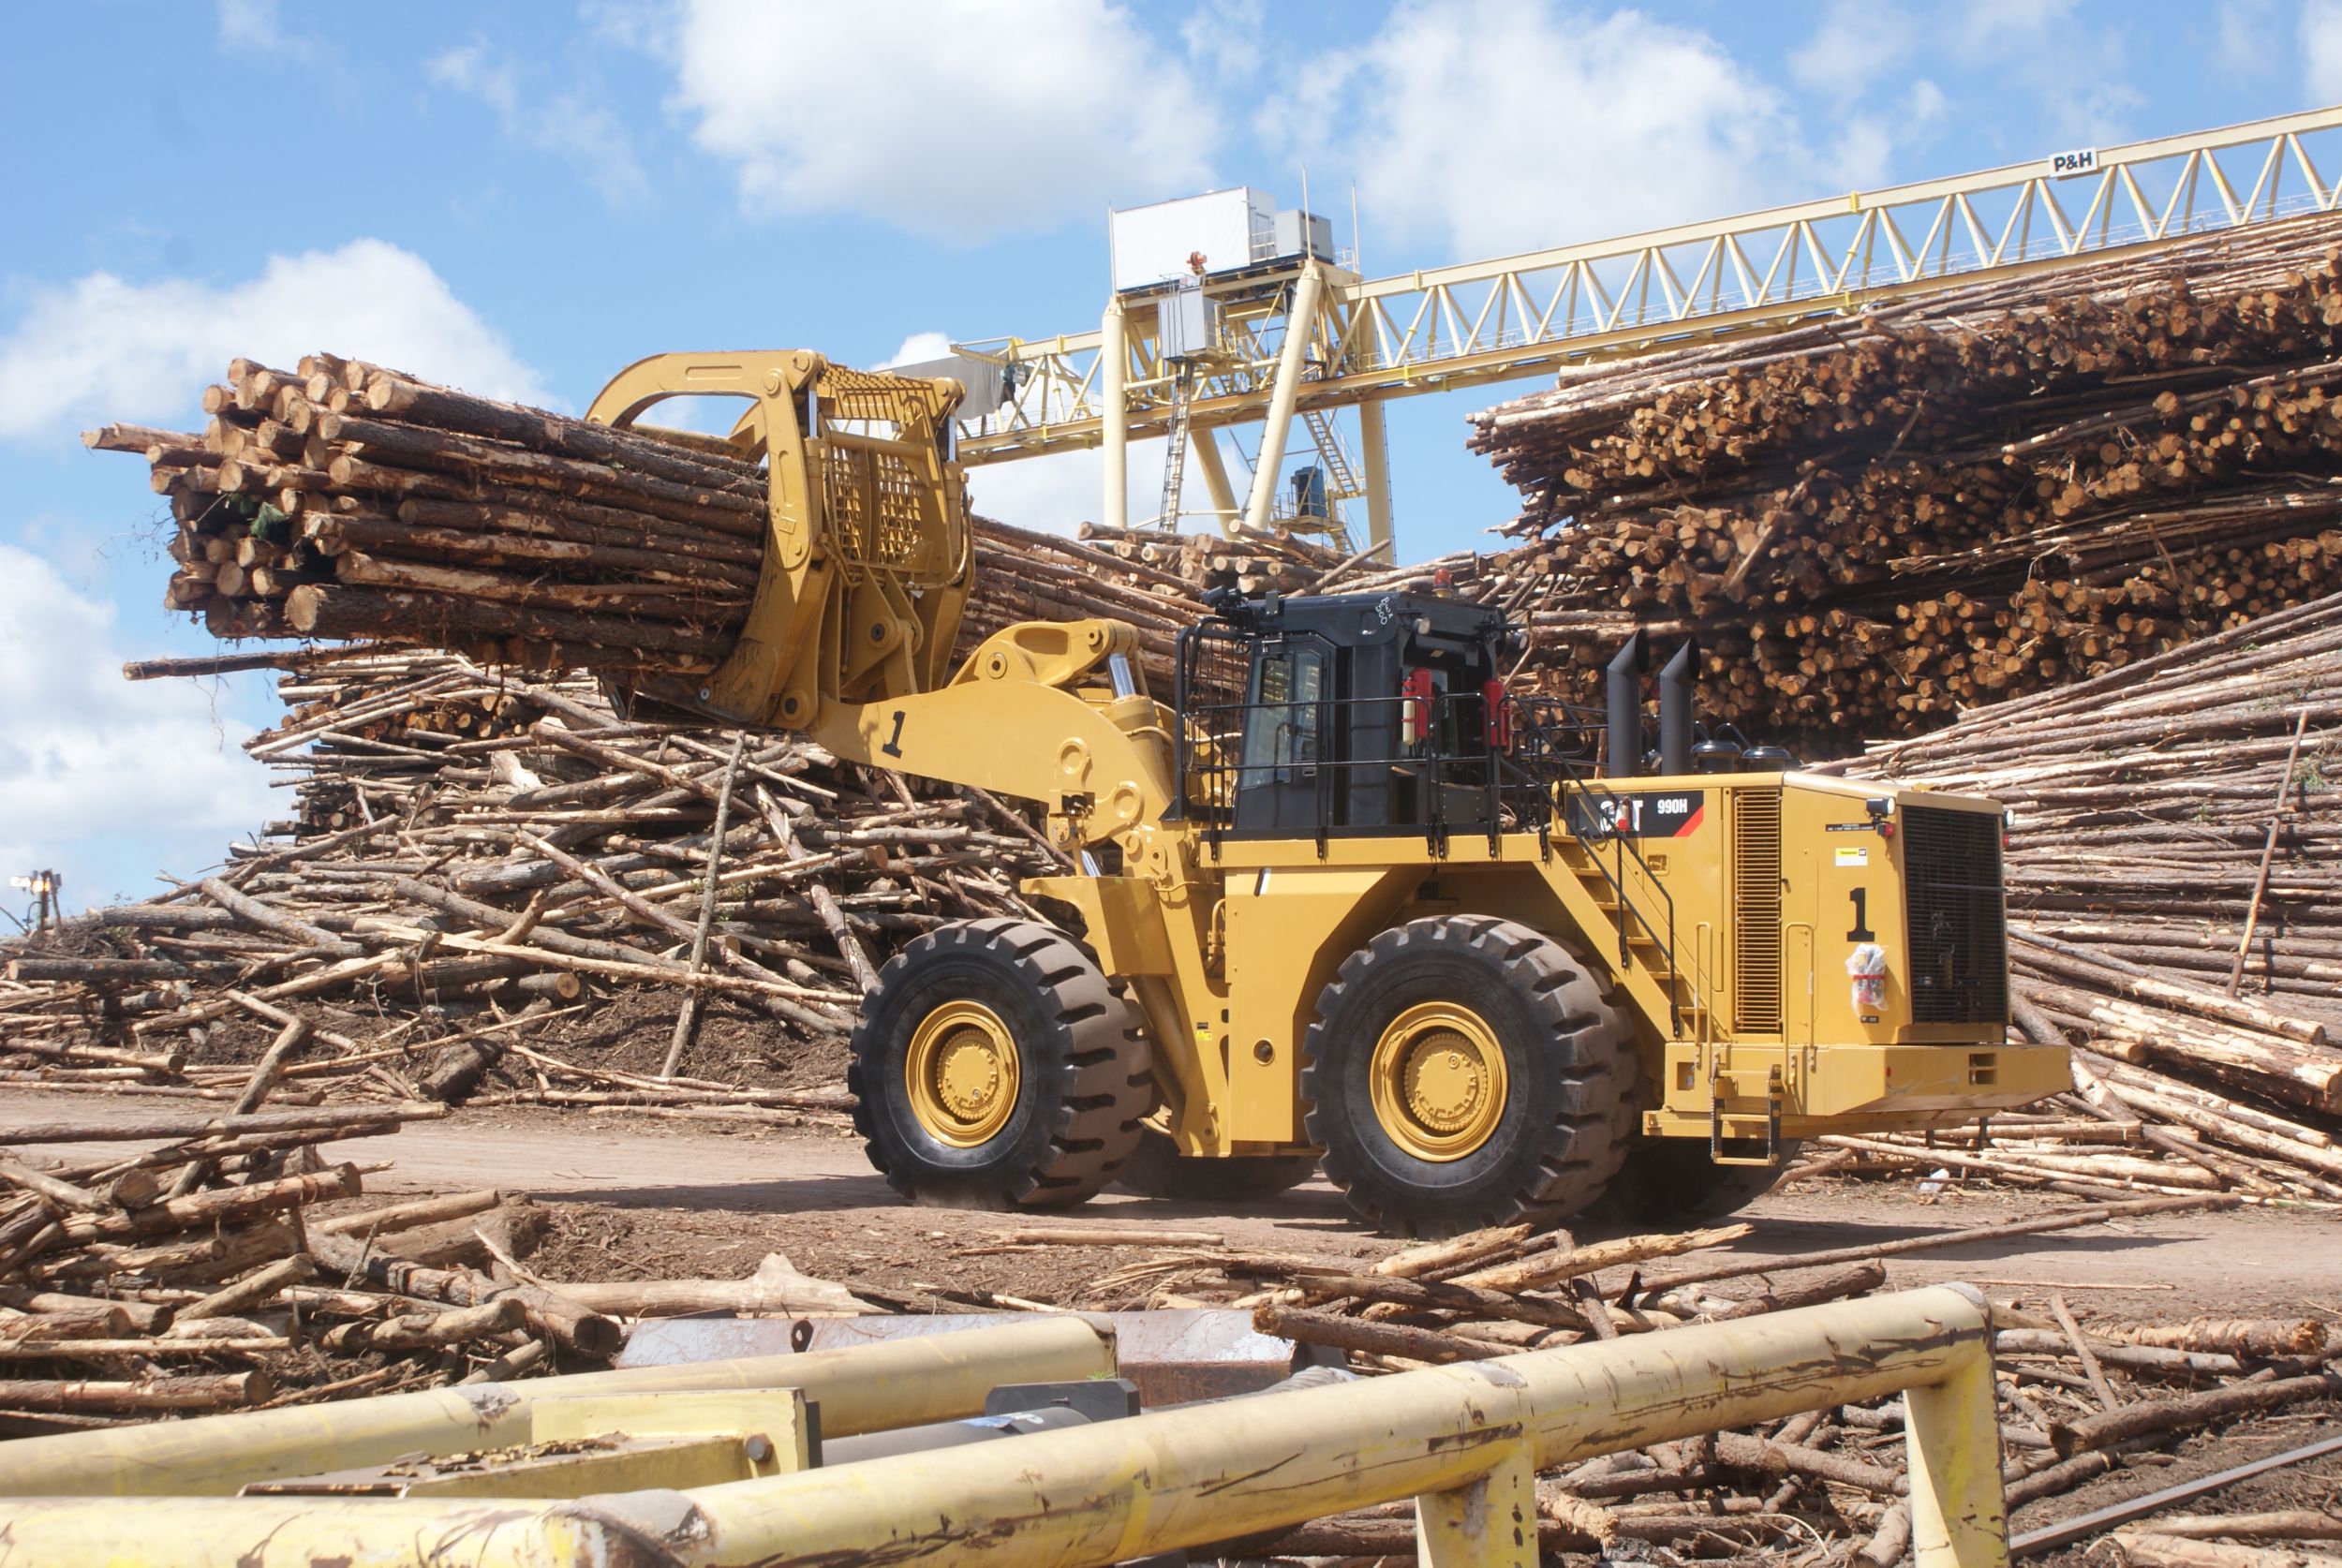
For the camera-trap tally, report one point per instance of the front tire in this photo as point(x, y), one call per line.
point(1465, 1071)
point(994, 1067)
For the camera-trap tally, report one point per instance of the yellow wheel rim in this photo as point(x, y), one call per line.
point(1438, 1081)
point(961, 1074)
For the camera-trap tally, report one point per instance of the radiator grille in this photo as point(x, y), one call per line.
point(1756, 912)
point(1958, 930)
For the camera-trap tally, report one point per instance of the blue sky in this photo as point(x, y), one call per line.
point(524, 198)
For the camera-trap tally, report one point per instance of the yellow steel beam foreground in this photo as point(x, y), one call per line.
point(1463, 1441)
point(866, 1389)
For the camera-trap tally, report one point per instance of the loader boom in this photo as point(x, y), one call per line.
point(1100, 762)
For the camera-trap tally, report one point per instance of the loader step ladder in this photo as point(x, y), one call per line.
point(1776, 1099)
point(1645, 943)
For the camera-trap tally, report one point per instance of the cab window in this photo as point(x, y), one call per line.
point(1281, 730)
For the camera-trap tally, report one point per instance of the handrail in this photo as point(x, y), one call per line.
point(1527, 777)
point(1465, 1441)
point(1622, 847)
point(1583, 784)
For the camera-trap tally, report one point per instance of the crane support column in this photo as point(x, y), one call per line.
point(1113, 350)
point(1301, 326)
point(1376, 445)
point(1207, 450)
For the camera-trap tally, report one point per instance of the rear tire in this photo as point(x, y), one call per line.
point(1157, 1169)
point(1465, 1071)
point(1671, 1182)
point(995, 1067)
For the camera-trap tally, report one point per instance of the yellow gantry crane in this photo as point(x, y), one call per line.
point(1300, 331)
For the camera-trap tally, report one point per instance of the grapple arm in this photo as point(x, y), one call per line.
point(867, 569)
point(868, 557)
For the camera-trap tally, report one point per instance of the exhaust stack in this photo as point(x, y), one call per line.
point(1675, 708)
point(1623, 738)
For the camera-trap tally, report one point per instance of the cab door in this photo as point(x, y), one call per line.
point(1281, 781)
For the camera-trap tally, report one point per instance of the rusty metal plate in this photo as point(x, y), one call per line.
point(1194, 1353)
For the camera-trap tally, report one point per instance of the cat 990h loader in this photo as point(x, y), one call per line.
point(1341, 898)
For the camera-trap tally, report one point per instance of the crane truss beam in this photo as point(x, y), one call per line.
point(1463, 326)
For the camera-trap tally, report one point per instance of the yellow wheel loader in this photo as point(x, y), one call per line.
point(1341, 899)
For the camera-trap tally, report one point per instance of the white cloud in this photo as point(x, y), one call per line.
point(102, 347)
point(570, 124)
point(647, 26)
point(2250, 36)
point(1225, 37)
point(2321, 49)
point(2073, 62)
point(956, 119)
point(255, 28)
point(99, 778)
point(1858, 61)
point(1499, 126)
point(249, 24)
point(919, 348)
point(1057, 493)
point(1854, 46)
point(2092, 114)
point(1999, 32)
point(1867, 147)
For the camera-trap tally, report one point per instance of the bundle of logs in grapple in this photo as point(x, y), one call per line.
point(2082, 1394)
point(344, 501)
point(2176, 914)
point(481, 867)
point(1877, 520)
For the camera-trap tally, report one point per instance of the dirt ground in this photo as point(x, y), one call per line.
point(2315, 1485)
point(632, 1198)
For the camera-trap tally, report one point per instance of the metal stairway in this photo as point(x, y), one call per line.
point(1175, 450)
point(1646, 940)
point(1343, 484)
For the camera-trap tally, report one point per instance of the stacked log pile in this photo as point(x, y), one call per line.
point(2080, 1396)
point(1875, 522)
point(1023, 576)
point(344, 501)
point(2177, 912)
point(477, 862)
point(1249, 561)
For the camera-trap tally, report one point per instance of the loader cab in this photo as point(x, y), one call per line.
point(1345, 716)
